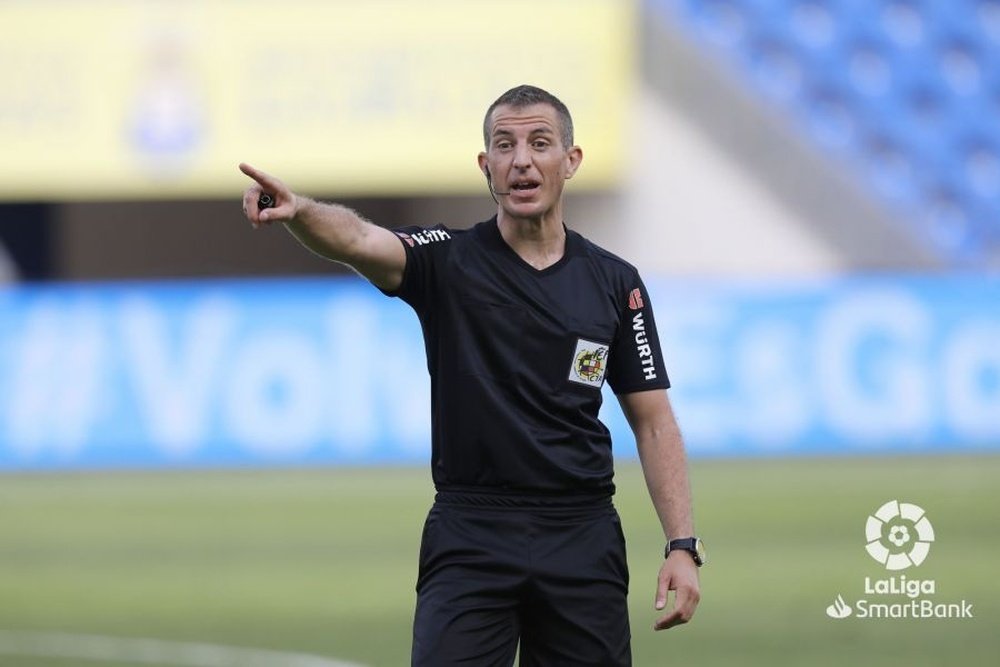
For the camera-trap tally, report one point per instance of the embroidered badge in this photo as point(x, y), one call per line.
point(590, 363)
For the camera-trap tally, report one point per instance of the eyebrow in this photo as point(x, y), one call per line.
point(537, 130)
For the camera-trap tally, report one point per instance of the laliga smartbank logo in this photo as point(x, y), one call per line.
point(899, 536)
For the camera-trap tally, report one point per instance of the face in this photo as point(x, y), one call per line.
point(526, 158)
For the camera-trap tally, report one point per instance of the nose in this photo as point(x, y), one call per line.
point(522, 157)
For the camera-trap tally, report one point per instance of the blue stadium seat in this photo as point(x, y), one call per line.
point(905, 93)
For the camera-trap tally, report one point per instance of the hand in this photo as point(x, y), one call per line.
point(285, 204)
point(679, 574)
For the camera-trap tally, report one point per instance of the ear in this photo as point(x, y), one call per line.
point(483, 165)
point(574, 156)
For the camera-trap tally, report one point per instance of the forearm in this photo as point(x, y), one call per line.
point(329, 230)
point(664, 465)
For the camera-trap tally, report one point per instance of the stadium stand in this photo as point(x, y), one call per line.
point(903, 93)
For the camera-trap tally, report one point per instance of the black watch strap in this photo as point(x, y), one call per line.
point(689, 544)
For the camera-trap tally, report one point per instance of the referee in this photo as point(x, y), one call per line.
point(523, 321)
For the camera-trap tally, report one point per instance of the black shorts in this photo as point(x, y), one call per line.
point(553, 579)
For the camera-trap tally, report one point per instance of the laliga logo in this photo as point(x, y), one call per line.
point(899, 535)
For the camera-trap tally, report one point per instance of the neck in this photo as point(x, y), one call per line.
point(541, 242)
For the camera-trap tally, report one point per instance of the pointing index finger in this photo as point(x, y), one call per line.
point(265, 180)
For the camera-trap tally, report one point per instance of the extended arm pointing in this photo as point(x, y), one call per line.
point(329, 230)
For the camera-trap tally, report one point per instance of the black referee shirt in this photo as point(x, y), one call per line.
point(517, 358)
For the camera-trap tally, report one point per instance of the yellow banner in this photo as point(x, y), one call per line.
point(127, 99)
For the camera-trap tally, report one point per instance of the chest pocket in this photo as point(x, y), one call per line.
point(572, 362)
point(489, 338)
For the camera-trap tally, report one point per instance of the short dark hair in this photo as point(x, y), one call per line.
point(525, 96)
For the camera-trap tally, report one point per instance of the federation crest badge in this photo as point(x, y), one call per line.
point(590, 363)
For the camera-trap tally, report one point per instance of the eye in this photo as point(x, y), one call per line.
point(540, 144)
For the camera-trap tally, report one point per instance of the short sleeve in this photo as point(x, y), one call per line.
point(635, 361)
point(425, 248)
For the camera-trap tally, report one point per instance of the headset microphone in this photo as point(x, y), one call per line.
point(489, 184)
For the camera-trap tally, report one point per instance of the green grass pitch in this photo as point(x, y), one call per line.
point(323, 561)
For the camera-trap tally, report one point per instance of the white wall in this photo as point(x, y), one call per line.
point(689, 208)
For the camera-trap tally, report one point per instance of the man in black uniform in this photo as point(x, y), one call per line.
point(523, 321)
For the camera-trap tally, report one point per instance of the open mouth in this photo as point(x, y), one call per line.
point(525, 186)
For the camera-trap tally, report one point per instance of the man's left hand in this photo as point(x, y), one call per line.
point(679, 574)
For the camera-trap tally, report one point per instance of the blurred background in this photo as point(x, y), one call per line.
point(213, 444)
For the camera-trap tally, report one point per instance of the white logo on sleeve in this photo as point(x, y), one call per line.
point(643, 348)
point(423, 237)
point(590, 363)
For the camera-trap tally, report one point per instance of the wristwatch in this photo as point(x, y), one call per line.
point(693, 545)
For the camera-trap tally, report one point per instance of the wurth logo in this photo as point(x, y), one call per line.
point(430, 236)
point(424, 237)
point(642, 347)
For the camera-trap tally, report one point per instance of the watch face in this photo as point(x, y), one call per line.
point(699, 548)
